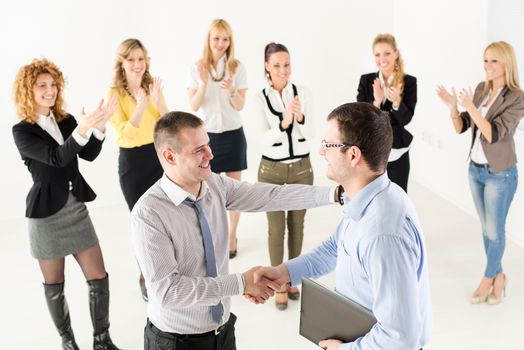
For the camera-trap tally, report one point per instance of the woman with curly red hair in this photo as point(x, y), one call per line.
point(50, 141)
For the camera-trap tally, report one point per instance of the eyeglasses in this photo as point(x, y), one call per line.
point(327, 145)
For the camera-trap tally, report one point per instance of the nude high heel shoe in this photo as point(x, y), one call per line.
point(493, 299)
point(478, 299)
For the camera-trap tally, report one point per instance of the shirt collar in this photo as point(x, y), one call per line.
point(176, 194)
point(356, 206)
point(288, 89)
point(44, 121)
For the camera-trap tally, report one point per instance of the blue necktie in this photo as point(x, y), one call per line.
point(216, 310)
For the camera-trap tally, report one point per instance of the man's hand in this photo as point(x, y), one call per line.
point(278, 274)
point(259, 291)
point(329, 344)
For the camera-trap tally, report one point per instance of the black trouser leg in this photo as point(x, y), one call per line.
point(57, 304)
point(99, 309)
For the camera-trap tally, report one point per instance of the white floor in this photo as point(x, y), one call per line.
point(456, 263)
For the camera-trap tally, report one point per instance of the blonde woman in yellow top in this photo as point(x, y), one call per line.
point(140, 104)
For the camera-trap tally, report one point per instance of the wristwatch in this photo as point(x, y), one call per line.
point(339, 194)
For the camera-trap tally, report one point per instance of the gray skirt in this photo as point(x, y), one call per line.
point(66, 232)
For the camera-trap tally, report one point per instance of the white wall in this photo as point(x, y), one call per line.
point(82, 37)
point(442, 42)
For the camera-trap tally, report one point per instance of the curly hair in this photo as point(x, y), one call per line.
point(23, 90)
point(222, 27)
point(124, 51)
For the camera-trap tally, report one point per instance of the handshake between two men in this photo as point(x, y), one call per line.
point(261, 283)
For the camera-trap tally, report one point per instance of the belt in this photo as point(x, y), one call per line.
point(479, 165)
point(213, 332)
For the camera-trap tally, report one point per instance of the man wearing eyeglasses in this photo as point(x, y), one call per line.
point(378, 250)
point(179, 230)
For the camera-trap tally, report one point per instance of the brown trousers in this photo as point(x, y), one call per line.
point(278, 173)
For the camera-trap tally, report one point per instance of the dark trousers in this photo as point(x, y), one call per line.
point(398, 171)
point(155, 339)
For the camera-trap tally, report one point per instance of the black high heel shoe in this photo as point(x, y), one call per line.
point(233, 253)
point(293, 295)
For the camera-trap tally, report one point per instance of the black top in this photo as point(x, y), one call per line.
point(400, 118)
point(53, 166)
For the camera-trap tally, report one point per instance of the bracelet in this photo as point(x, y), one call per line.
point(233, 94)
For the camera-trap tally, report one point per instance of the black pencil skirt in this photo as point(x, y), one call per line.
point(229, 151)
point(138, 169)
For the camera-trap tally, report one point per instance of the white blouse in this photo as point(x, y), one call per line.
point(216, 111)
point(277, 145)
point(477, 152)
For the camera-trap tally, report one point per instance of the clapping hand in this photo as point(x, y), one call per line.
point(107, 111)
point(140, 97)
point(394, 94)
point(98, 118)
point(89, 120)
point(465, 99)
point(227, 84)
point(449, 99)
point(378, 92)
point(155, 90)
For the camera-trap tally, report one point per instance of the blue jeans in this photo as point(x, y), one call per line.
point(492, 194)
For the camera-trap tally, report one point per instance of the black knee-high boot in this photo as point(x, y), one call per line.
point(57, 304)
point(99, 308)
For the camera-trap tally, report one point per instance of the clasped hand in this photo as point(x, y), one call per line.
point(262, 282)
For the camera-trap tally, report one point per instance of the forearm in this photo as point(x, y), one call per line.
point(237, 99)
point(178, 291)
point(196, 97)
point(137, 116)
point(92, 149)
point(481, 123)
point(320, 261)
point(243, 196)
point(457, 121)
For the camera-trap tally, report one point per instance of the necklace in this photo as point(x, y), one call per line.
point(215, 79)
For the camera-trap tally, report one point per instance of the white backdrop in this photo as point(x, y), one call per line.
point(329, 41)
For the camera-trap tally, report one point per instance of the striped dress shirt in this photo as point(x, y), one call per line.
point(168, 244)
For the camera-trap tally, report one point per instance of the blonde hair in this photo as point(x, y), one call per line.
point(506, 55)
point(399, 63)
point(23, 90)
point(220, 26)
point(124, 51)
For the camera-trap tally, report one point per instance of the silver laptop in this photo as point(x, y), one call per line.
point(326, 314)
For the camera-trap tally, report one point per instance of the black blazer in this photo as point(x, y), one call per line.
point(401, 137)
point(53, 166)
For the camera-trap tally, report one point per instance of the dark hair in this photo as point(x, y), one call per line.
point(168, 127)
point(272, 48)
point(363, 125)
